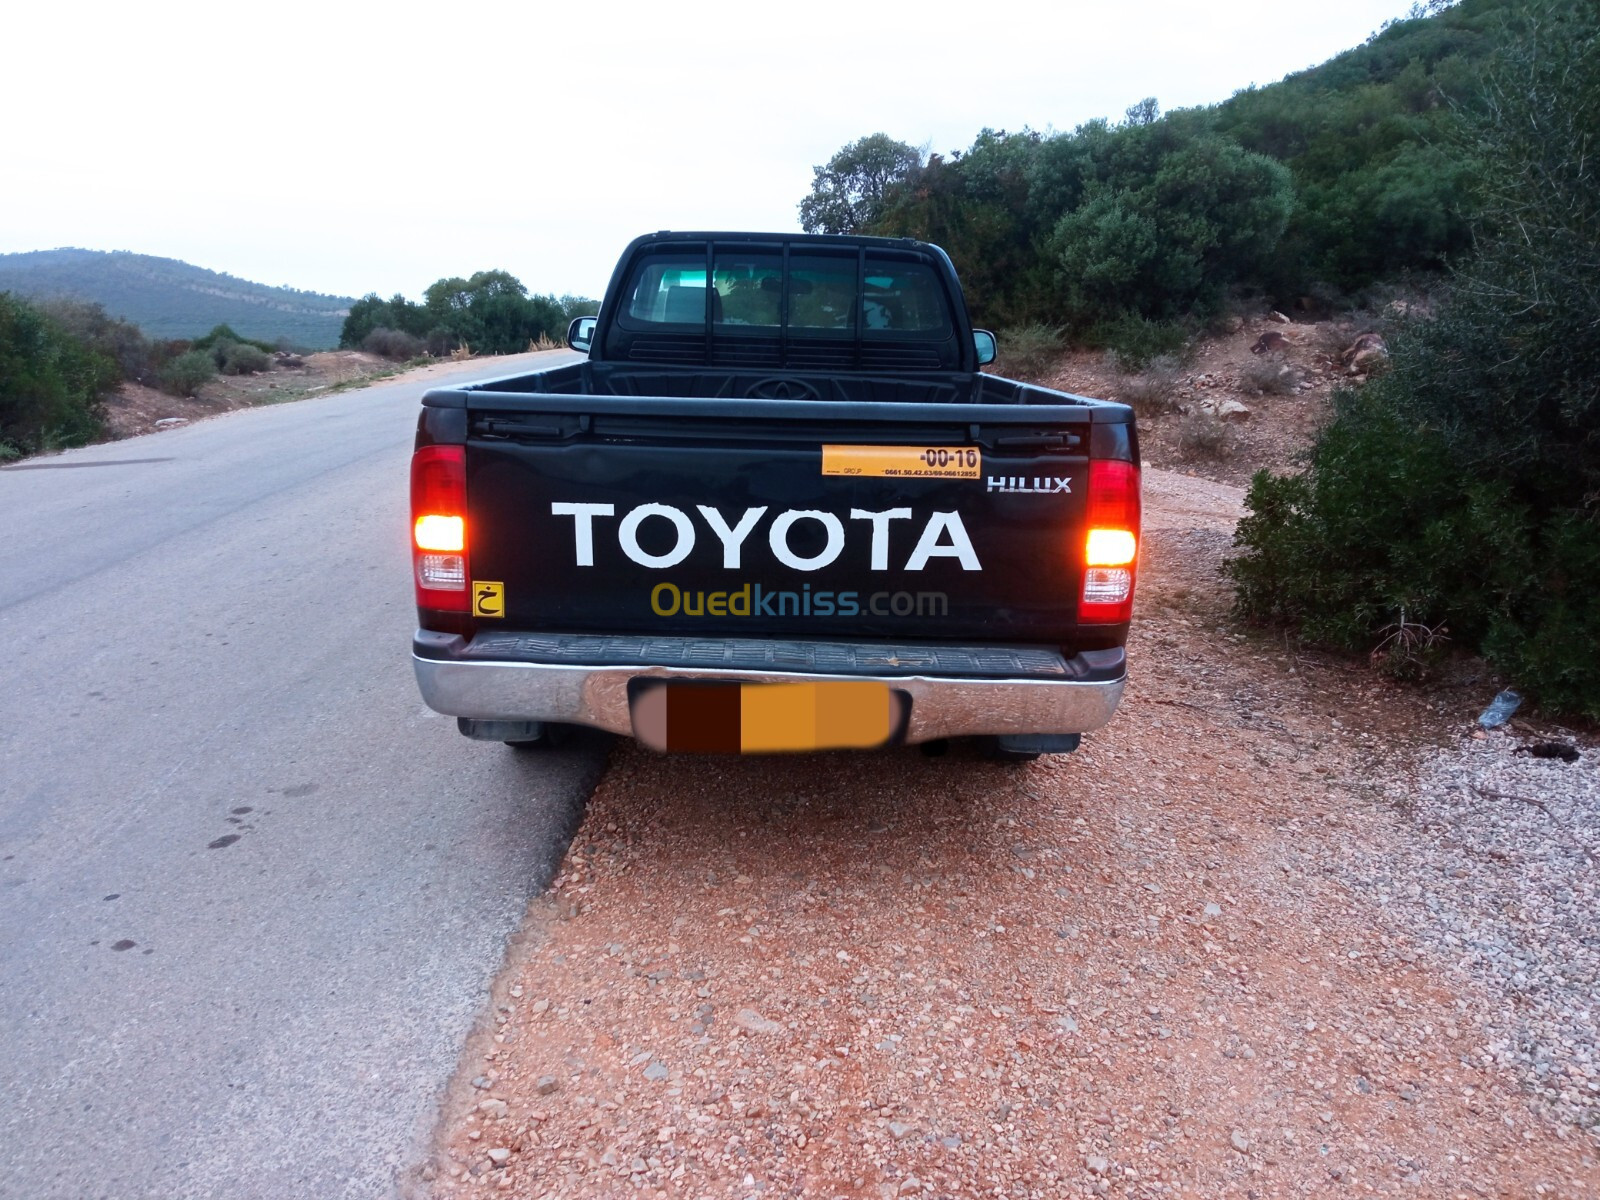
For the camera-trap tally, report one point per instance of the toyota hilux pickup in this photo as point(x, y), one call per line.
point(778, 506)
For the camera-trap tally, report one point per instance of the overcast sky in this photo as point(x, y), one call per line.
point(353, 148)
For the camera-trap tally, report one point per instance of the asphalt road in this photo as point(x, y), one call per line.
point(251, 891)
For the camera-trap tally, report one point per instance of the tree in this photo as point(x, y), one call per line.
point(850, 192)
point(1170, 225)
point(372, 312)
point(1146, 112)
point(50, 383)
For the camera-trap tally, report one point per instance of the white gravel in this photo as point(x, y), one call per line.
point(1504, 884)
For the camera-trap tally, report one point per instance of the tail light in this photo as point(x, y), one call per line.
point(439, 527)
point(1111, 544)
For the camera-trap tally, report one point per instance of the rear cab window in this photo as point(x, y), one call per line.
point(813, 294)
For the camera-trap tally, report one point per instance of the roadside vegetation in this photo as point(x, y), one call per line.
point(1453, 500)
point(60, 359)
point(1135, 234)
point(490, 313)
point(51, 383)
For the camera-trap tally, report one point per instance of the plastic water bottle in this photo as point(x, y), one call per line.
point(1500, 710)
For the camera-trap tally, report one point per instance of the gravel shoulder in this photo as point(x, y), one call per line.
point(1257, 938)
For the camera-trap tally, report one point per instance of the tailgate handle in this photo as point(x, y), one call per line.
point(492, 428)
point(1039, 439)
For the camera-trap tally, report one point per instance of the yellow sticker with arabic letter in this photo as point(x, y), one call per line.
point(904, 462)
point(488, 598)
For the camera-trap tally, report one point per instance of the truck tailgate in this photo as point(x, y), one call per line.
point(782, 518)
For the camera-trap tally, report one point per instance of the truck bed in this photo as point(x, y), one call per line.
point(629, 380)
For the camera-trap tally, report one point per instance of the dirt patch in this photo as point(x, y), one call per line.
point(1274, 430)
point(1133, 970)
point(134, 409)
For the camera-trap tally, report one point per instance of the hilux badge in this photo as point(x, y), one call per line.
point(1048, 486)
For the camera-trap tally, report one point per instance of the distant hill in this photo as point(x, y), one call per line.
point(171, 299)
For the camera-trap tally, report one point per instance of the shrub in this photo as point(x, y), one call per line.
point(441, 341)
point(1029, 350)
point(1460, 488)
point(1178, 216)
point(223, 335)
point(183, 375)
point(1269, 375)
point(120, 341)
point(1154, 390)
point(1205, 437)
point(1136, 340)
point(50, 383)
point(392, 343)
point(241, 358)
point(372, 313)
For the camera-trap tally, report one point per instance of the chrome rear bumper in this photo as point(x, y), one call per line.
point(532, 678)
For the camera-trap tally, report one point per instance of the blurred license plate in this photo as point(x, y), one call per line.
point(765, 718)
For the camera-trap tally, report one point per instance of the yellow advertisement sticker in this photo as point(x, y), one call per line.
point(488, 598)
point(904, 462)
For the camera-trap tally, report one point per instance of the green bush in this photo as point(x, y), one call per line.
point(50, 383)
point(1460, 491)
point(492, 312)
point(440, 341)
point(1029, 350)
point(242, 358)
point(372, 312)
point(1170, 228)
point(224, 336)
point(120, 341)
point(392, 343)
point(183, 375)
point(1135, 341)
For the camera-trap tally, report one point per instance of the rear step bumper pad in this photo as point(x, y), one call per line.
point(955, 691)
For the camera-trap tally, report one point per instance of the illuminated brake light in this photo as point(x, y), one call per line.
point(439, 527)
point(1111, 546)
point(435, 532)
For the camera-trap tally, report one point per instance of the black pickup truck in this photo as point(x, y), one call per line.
point(778, 507)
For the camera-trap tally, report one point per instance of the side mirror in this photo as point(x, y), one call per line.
point(580, 334)
point(986, 346)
